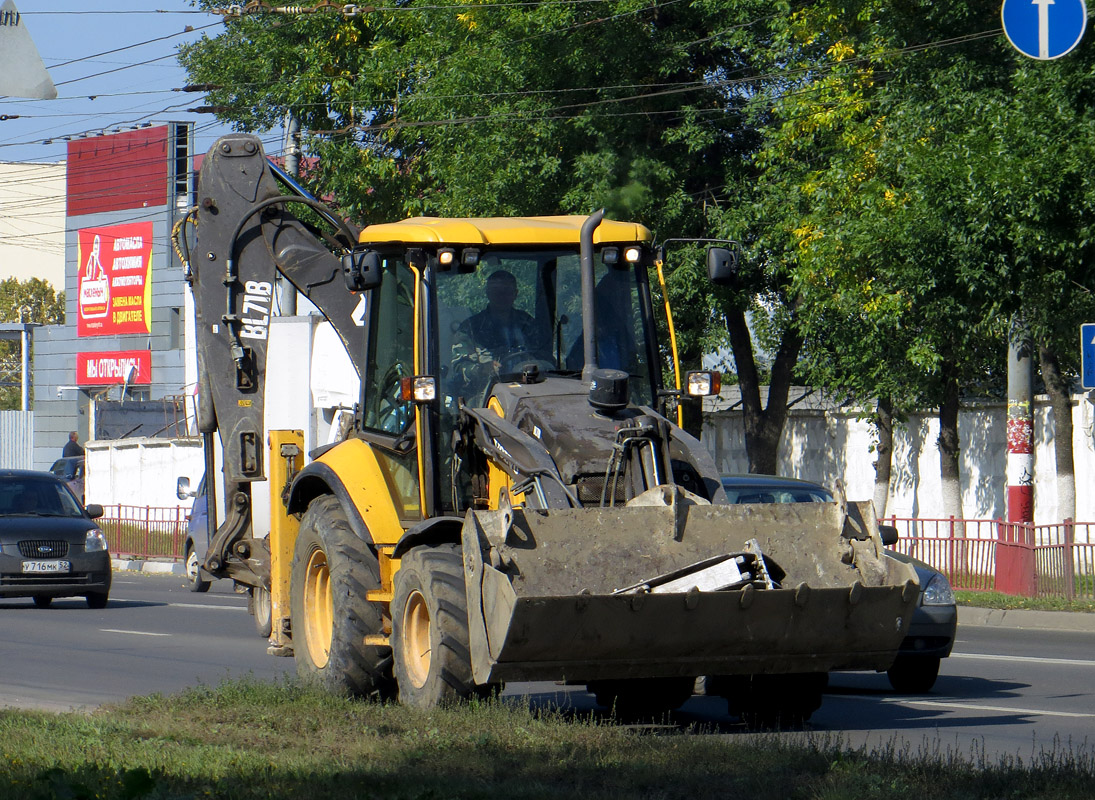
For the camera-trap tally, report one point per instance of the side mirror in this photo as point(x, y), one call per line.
point(889, 535)
point(182, 488)
point(722, 265)
point(361, 270)
point(94, 510)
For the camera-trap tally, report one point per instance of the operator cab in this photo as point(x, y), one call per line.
point(494, 312)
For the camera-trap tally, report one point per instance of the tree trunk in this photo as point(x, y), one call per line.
point(1060, 400)
point(883, 424)
point(948, 444)
point(763, 426)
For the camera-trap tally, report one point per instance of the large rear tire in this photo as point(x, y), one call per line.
point(332, 571)
point(430, 641)
point(642, 698)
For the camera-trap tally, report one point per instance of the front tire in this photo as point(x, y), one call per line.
point(194, 580)
point(332, 571)
point(914, 674)
point(96, 599)
point(430, 641)
point(42, 601)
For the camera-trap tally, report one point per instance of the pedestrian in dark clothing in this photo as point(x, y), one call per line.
point(72, 446)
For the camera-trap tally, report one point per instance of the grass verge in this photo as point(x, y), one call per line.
point(252, 740)
point(1008, 602)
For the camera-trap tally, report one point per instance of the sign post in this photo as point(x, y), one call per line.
point(1044, 29)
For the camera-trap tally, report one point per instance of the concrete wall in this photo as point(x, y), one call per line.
point(826, 446)
point(141, 472)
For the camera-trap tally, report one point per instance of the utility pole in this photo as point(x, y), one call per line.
point(1020, 426)
point(1014, 553)
point(287, 293)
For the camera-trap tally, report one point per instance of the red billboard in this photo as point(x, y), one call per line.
point(107, 369)
point(114, 280)
point(118, 171)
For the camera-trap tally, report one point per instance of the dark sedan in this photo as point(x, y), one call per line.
point(50, 545)
point(934, 623)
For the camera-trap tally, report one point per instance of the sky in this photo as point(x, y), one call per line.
point(113, 63)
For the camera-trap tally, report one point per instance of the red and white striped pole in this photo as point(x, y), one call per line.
point(1014, 555)
point(1020, 430)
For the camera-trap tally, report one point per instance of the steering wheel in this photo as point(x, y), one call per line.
point(512, 362)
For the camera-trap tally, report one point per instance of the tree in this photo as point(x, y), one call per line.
point(32, 300)
point(507, 109)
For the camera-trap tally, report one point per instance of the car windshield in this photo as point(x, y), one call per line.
point(742, 493)
point(35, 497)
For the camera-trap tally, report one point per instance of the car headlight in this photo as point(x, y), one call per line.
point(938, 592)
point(95, 541)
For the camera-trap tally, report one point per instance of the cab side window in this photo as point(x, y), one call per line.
point(391, 351)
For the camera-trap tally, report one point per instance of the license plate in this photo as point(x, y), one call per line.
point(47, 566)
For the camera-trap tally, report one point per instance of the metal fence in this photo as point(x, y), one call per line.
point(1051, 560)
point(145, 531)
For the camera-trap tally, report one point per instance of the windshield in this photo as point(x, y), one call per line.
point(34, 497)
point(522, 307)
point(743, 492)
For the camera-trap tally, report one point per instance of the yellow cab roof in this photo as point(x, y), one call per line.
point(515, 231)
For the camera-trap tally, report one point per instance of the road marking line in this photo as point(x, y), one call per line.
point(114, 600)
point(1075, 662)
point(978, 707)
point(134, 633)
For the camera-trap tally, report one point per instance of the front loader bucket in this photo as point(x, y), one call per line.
point(541, 584)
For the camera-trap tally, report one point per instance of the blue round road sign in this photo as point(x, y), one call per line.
point(1044, 29)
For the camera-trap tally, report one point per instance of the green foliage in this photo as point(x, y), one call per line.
point(902, 181)
point(32, 300)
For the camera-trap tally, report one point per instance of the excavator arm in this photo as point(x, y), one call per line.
point(246, 236)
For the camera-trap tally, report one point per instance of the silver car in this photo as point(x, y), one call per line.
point(935, 621)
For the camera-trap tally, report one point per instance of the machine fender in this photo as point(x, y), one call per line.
point(439, 530)
point(352, 473)
point(318, 479)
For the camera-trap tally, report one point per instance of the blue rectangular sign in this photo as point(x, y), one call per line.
point(1087, 355)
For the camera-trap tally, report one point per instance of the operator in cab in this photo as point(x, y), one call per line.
point(498, 339)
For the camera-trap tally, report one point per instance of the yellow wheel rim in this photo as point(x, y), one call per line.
point(417, 651)
point(318, 609)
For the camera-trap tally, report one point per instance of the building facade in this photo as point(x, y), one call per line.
point(32, 222)
point(125, 296)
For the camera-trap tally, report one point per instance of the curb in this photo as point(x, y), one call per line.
point(149, 567)
point(1077, 621)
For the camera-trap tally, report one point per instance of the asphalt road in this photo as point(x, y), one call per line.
point(153, 636)
point(1005, 691)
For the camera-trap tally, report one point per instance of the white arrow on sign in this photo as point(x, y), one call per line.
point(1043, 26)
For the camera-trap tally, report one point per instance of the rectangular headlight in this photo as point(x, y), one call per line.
point(420, 389)
point(703, 383)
